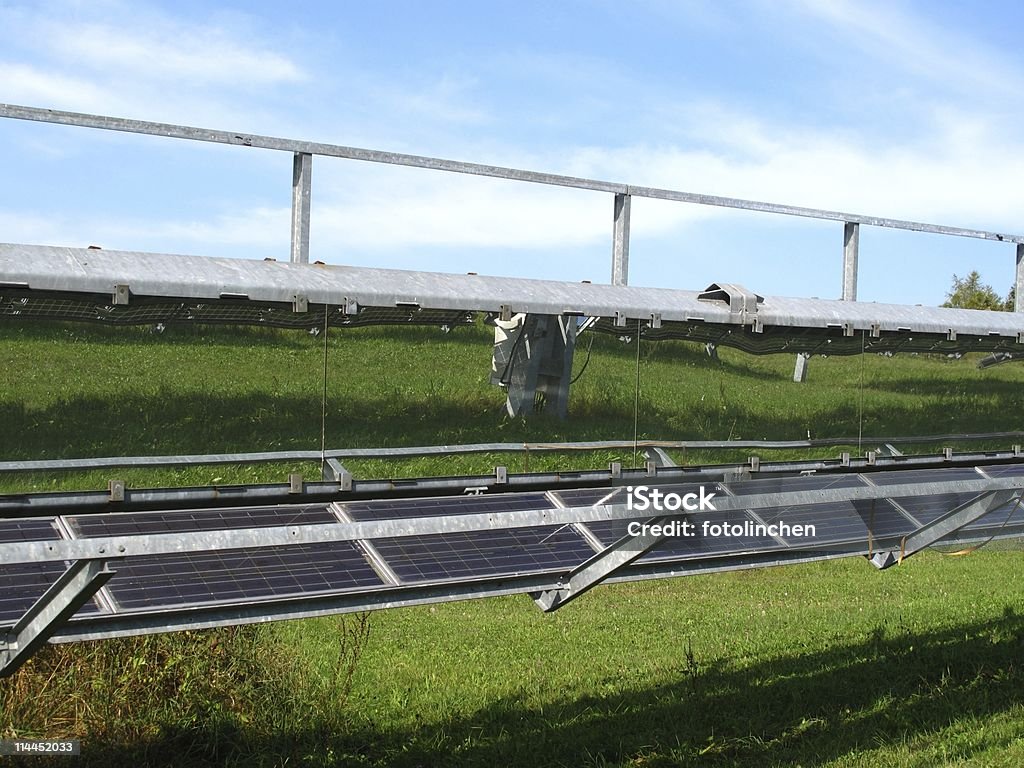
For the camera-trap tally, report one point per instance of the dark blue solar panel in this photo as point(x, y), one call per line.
point(700, 544)
point(247, 574)
point(926, 509)
point(21, 584)
point(775, 484)
point(181, 521)
point(449, 505)
point(498, 552)
point(586, 497)
point(839, 523)
point(704, 542)
point(484, 553)
point(232, 575)
point(835, 523)
point(1005, 470)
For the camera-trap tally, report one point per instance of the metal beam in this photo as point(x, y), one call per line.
point(302, 180)
point(598, 568)
point(99, 626)
point(395, 158)
point(659, 457)
point(851, 250)
point(948, 523)
point(1018, 282)
point(60, 602)
point(800, 370)
point(109, 462)
point(35, 504)
point(209, 541)
point(620, 240)
point(629, 548)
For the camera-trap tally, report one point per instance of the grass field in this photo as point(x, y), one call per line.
point(824, 664)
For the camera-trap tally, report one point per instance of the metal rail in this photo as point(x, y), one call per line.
point(104, 548)
point(111, 462)
point(302, 170)
point(338, 483)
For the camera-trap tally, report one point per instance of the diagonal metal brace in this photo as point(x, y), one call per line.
point(60, 602)
point(948, 523)
point(588, 575)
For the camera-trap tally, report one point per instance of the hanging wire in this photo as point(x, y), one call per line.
point(323, 403)
point(636, 397)
point(860, 398)
point(586, 362)
point(974, 548)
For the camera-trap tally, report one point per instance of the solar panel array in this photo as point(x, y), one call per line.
point(779, 339)
point(166, 591)
point(15, 303)
point(148, 311)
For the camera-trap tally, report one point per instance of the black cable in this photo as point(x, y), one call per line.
point(585, 362)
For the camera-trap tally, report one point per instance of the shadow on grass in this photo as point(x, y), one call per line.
point(171, 422)
point(892, 687)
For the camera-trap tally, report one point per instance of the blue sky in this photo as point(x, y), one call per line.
point(904, 110)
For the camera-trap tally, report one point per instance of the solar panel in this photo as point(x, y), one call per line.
point(448, 505)
point(799, 483)
point(926, 509)
point(476, 553)
point(181, 521)
point(212, 588)
point(484, 553)
point(147, 310)
point(249, 574)
point(839, 526)
point(21, 584)
point(836, 524)
point(673, 547)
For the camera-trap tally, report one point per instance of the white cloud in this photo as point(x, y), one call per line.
point(194, 55)
point(447, 100)
point(134, 61)
point(27, 84)
point(915, 44)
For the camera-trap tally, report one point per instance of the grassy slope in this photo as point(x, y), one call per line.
point(822, 664)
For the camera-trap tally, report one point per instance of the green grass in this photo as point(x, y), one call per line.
point(822, 664)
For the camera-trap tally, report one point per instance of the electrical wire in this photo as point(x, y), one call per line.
point(323, 404)
point(636, 398)
point(586, 362)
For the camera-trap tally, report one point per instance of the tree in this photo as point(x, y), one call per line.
point(970, 293)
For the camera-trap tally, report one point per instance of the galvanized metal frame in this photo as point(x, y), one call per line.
point(951, 522)
point(348, 488)
point(70, 592)
point(47, 619)
point(302, 179)
point(257, 457)
point(629, 549)
point(212, 541)
point(623, 192)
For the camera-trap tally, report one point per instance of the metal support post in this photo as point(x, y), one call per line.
point(1018, 283)
point(302, 175)
point(60, 602)
point(851, 250)
point(948, 523)
point(620, 241)
point(533, 359)
point(800, 372)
